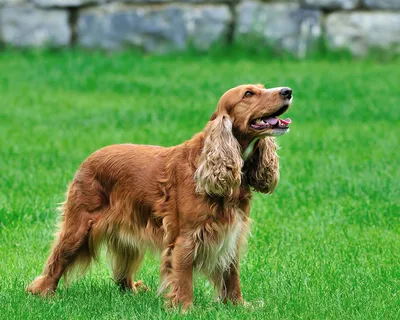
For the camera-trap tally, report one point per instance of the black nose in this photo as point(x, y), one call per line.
point(286, 93)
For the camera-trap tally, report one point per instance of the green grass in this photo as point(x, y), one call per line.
point(325, 245)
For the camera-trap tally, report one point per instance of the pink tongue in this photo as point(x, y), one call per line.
point(286, 121)
point(272, 121)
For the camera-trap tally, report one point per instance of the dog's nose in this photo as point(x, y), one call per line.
point(286, 93)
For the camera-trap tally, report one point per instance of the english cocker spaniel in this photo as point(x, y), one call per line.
point(191, 202)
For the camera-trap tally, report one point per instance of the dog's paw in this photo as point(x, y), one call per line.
point(139, 286)
point(42, 286)
point(135, 286)
point(176, 304)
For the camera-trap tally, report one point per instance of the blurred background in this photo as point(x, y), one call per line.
point(162, 26)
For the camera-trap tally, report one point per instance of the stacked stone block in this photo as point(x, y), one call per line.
point(163, 26)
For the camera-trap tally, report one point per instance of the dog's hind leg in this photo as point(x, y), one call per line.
point(125, 261)
point(72, 245)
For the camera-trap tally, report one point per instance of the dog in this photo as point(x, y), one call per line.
point(190, 202)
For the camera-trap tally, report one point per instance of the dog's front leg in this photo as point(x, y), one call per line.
point(228, 284)
point(232, 290)
point(180, 277)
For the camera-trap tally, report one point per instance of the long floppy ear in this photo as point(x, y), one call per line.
point(262, 168)
point(220, 163)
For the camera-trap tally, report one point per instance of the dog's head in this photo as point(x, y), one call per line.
point(244, 115)
point(254, 110)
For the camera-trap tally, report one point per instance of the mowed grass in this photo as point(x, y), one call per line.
point(325, 245)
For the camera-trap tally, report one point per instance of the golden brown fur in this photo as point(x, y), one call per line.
point(191, 202)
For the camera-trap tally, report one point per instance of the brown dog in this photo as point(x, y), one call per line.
point(191, 201)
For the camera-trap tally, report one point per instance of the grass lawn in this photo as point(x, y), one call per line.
point(325, 245)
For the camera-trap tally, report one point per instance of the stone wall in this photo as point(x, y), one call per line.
point(167, 25)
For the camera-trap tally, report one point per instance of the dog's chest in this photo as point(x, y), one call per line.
point(216, 245)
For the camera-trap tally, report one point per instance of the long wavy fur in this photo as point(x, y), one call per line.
point(220, 163)
point(262, 168)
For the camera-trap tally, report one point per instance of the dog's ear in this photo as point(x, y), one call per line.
point(220, 163)
point(262, 168)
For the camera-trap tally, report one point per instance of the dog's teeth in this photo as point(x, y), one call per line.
point(259, 121)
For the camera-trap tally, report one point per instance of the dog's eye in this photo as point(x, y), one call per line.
point(248, 94)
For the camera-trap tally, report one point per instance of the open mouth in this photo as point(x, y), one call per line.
point(272, 121)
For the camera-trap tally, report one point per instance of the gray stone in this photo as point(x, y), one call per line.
point(360, 31)
point(12, 2)
point(26, 26)
point(181, 1)
point(382, 4)
point(332, 4)
point(115, 26)
point(285, 25)
point(207, 24)
point(76, 3)
point(65, 3)
point(161, 28)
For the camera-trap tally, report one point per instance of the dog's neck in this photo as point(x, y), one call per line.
point(247, 144)
point(248, 151)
